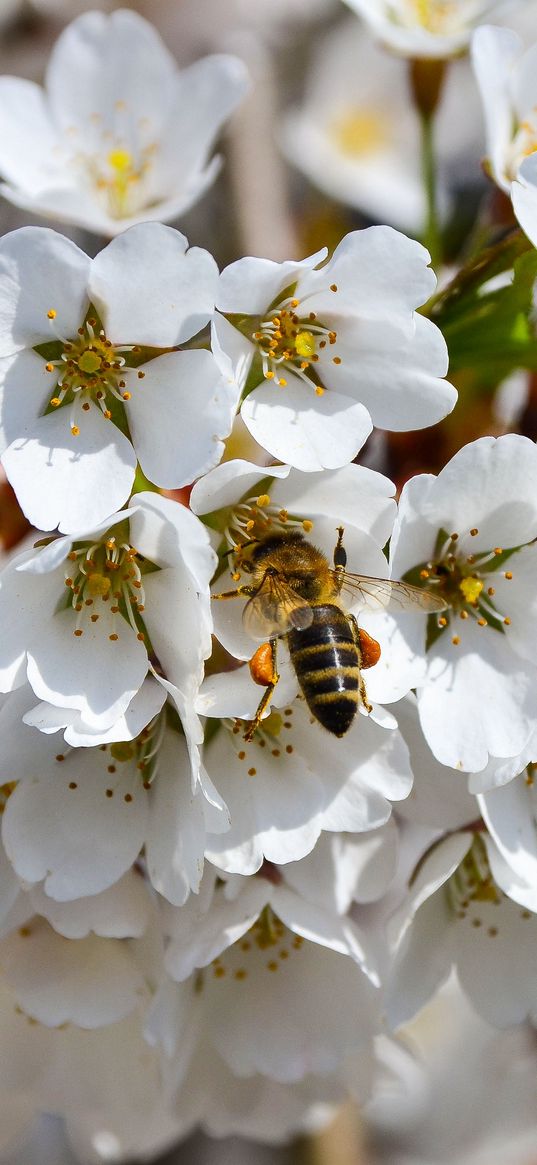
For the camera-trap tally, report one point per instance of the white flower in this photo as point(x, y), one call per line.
point(293, 780)
point(79, 817)
point(357, 136)
point(119, 135)
point(469, 534)
point(80, 611)
point(252, 963)
point(424, 28)
point(505, 73)
point(80, 367)
point(324, 353)
point(457, 915)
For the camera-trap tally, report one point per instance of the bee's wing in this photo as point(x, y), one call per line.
point(384, 594)
point(275, 609)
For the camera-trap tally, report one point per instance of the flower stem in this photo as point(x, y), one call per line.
point(426, 82)
point(431, 233)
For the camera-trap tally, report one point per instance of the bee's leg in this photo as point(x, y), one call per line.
point(361, 686)
point(339, 558)
point(267, 694)
point(245, 590)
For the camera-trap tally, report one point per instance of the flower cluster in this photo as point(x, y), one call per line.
point(269, 719)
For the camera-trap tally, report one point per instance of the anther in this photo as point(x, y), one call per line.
point(508, 575)
point(507, 622)
point(52, 313)
point(333, 287)
point(75, 430)
point(455, 641)
point(474, 531)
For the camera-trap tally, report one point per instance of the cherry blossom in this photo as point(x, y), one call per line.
point(90, 363)
point(356, 135)
point(424, 28)
point(323, 353)
point(119, 135)
point(81, 639)
point(470, 534)
point(458, 915)
point(505, 73)
point(250, 963)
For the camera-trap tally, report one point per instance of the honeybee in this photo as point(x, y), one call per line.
point(296, 595)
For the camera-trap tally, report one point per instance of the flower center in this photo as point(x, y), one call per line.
point(106, 579)
point(463, 580)
point(523, 144)
point(255, 517)
point(439, 17)
point(286, 340)
point(267, 946)
point(117, 161)
point(91, 370)
point(358, 132)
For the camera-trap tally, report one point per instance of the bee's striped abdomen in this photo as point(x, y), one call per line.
point(327, 663)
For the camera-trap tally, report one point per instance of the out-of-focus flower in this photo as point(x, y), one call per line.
point(82, 342)
point(251, 960)
point(424, 28)
point(81, 612)
point(506, 75)
point(458, 915)
point(469, 533)
point(326, 352)
point(119, 135)
point(357, 136)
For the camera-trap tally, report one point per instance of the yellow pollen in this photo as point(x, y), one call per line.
point(508, 575)
point(282, 383)
point(455, 641)
point(120, 160)
point(442, 622)
point(263, 500)
point(307, 525)
point(319, 391)
point(269, 376)
point(507, 622)
point(55, 402)
point(49, 368)
point(98, 585)
point(52, 313)
point(471, 588)
point(305, 344)
point(75, 430)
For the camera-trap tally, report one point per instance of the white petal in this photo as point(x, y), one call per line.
point(176, 831)
point(90, 982)
point(28, 141)
point(40, 271)
point(90, 672)
point(377, 272)
point(250, 285)
point(63, 826)
point(100, 60)
point(179, 417)
point(122, 911)
point(70, 481)
point(176, 298)
point(309, 432)
point(393, 371)
point(230, 481)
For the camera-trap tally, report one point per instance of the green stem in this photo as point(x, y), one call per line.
point(431, 235)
